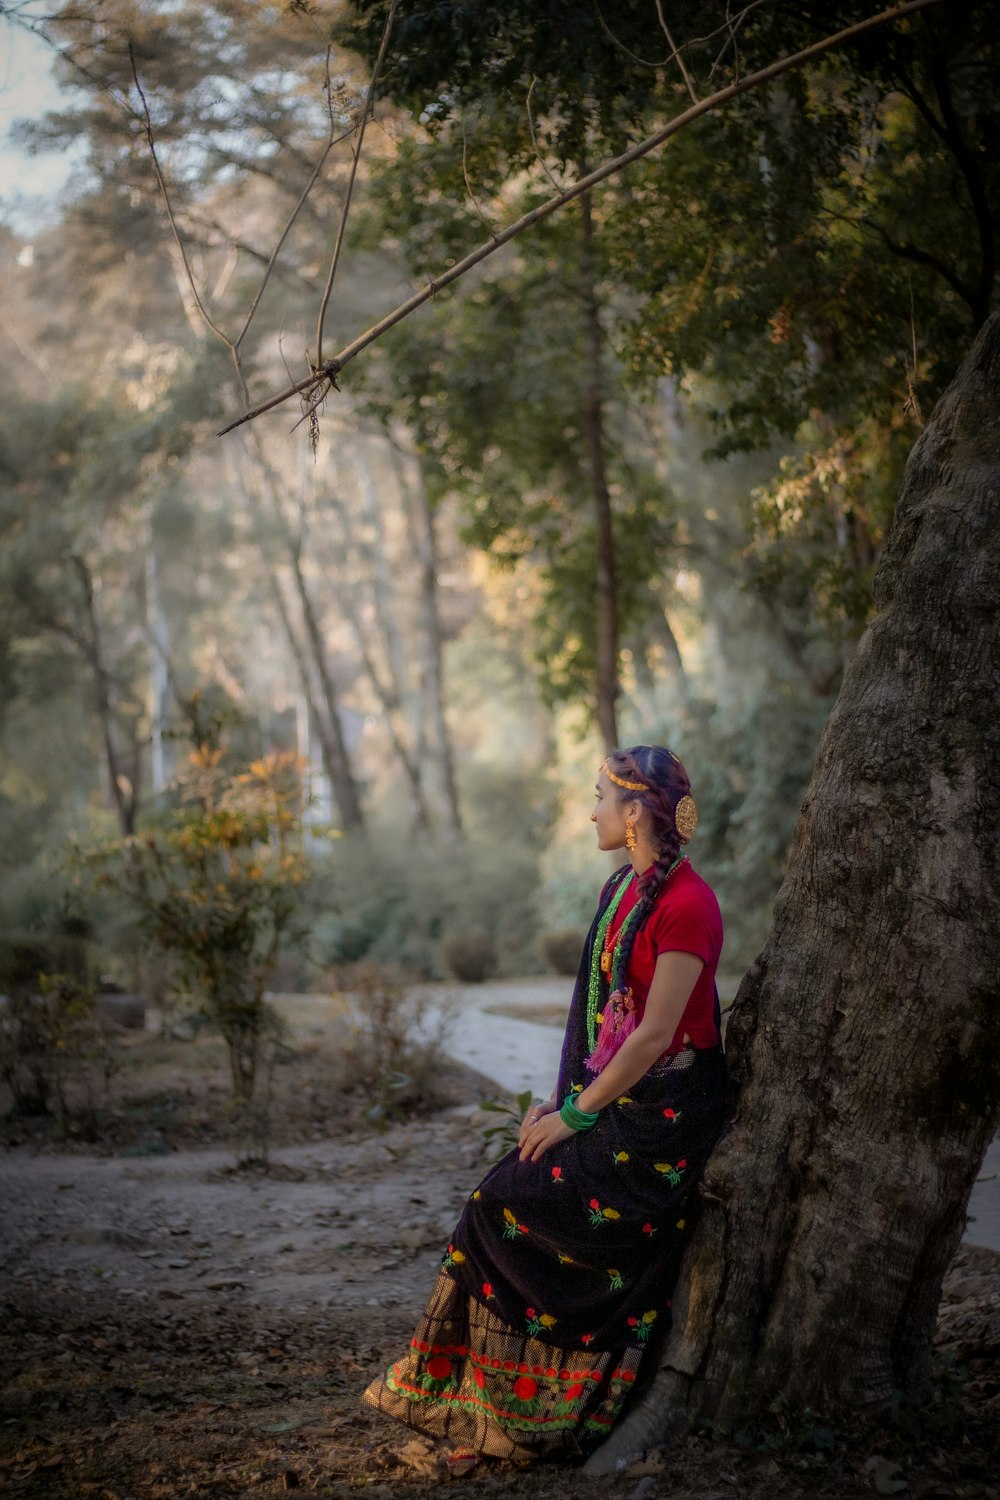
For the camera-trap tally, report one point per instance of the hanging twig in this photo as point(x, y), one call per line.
point(233, 345)
point(534, 140)
point(325, 375)
point(468, 185)
point(369, 105)
point(675, 51)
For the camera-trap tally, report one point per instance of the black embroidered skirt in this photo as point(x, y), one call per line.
point(557, 1274)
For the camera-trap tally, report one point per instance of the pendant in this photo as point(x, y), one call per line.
point(606, 962)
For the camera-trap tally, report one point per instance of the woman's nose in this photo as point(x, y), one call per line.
point(593, 817)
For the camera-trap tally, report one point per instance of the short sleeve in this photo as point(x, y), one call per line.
point(689, 921)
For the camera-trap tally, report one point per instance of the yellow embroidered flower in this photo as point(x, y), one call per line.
point(566, 1260)
point(457, 1258)
point(621, 1156)
point(662, 1166)
point(510, 1218)
point(682, 1223)
point(476, 1194)
point(611, 1213)
point(547, 1320)
point(624, 1099)
point(649, 1317)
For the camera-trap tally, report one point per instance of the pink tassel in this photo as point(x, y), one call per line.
point(618, 1023)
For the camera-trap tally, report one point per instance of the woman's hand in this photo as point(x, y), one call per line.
point(549, 1131)
point(534, 1114)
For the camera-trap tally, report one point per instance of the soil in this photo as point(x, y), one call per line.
point(177, 1324)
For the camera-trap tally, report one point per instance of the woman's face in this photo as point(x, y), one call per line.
point(609, 814)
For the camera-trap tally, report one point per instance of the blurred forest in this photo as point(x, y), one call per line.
point(627, 481)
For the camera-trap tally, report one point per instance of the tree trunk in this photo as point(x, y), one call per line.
point(262, 478)
point(123, 788)
point(863, 1044)
point(363, 569)
point(606, 685)
point(422, 531)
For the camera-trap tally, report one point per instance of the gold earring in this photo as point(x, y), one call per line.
point(630, 838)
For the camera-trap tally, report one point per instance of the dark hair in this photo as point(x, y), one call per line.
point(664, 782)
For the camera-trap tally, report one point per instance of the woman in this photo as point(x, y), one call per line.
point(563, 1262)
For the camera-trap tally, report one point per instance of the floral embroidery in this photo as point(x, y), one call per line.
point(620, 1157)
point(671, 1173)
point(511, 1227)
point(599, 1215)
point(566, 1260)
point(453, 1257)
point(643, 1326)
point(557, 1174)
point(624, 1099)
point(488, 1290)
point(616, 1279)
point(672, 1115)
point(586, 1338)
point(537, 1321)
point(648, 1229)
point(682, 1223)
point(476, 1195)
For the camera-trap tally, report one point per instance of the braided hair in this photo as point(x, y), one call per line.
point(665, 782)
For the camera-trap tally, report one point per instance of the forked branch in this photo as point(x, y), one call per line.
point(318, 384)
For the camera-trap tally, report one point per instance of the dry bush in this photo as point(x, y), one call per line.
point(393, 1042)
point(561, 950)
point(471, 957)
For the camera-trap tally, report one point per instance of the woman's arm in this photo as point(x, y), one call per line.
point(674, 978)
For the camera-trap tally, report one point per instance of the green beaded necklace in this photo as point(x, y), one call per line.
point(615, 978)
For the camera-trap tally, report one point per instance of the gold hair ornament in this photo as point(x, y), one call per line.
point(686, 818)
point(630, 786)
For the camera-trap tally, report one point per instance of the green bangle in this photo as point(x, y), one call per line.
point(576, 1119)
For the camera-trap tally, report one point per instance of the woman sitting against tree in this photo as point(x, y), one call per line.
point(563, 1263)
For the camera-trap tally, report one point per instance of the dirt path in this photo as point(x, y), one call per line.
point(172, 1327)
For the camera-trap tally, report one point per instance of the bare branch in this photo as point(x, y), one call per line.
point(534, 139)
point(332, 141)
point(179, 242)
point(468, 185)
point(676, 52)
point(326, 374)
point(369, 106)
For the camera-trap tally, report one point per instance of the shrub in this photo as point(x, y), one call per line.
point(398, 906)
point(393, 1041)
point(561, 950)
point(471, 957)
point(54, 1056)
point(218, 888)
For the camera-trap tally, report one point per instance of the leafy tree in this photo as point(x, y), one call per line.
point(218, 885)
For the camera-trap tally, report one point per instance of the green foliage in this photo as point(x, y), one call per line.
point(400, 911)
point(502, 1137)
point(218, 887)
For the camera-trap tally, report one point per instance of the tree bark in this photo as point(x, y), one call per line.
point(335, 754)
point(422, 531)
point(123, 787)
point(863, 1043)
point(606, 686)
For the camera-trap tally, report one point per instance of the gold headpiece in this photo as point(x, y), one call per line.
point(630, 786)
point(686, 818)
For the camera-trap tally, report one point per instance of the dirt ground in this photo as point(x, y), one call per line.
point(173, 1325)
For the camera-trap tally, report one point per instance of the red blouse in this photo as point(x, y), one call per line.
point(685, 919)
